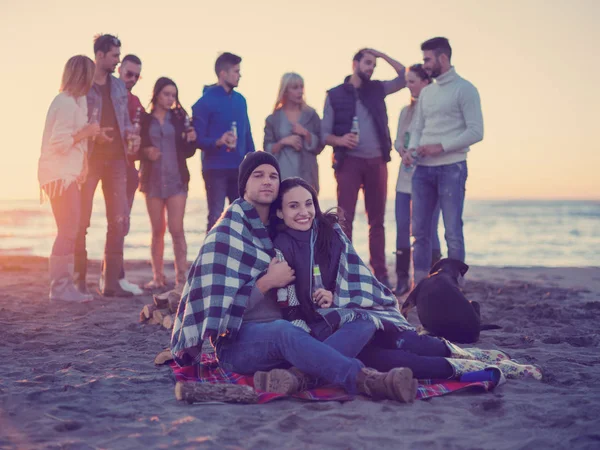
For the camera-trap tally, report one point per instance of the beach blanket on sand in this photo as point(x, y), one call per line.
point(210, 372)
point(235, 252)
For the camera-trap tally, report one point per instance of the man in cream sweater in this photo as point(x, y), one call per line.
point(447, 122)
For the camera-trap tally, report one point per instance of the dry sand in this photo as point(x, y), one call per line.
point(82, 376)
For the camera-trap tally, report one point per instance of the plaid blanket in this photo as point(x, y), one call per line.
point(235, 252)
point(357, 294)
point(210, 372)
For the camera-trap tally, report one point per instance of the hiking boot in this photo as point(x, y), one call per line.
point(397, 384)
point(281, 381)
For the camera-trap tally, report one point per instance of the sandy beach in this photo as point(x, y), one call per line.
point(82, 376)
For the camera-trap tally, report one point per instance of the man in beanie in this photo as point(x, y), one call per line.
point(229, 299)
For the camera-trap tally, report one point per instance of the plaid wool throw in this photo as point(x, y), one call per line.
point(235, 252)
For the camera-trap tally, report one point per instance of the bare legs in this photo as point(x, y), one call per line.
point(163, 211)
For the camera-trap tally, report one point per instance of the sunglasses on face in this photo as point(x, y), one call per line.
point(130, 74)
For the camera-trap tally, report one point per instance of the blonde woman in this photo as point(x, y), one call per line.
point(292, 132)
point(62, 168)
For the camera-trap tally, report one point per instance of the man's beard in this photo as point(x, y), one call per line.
point(230, 86)
point(436, 70)
point(363, 76)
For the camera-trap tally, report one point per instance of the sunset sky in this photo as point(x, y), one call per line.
point(534, 62)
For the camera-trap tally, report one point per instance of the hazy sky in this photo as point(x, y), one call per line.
point(534, 62)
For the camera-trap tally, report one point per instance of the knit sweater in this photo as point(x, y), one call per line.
point(448, 113)
point(61, 159)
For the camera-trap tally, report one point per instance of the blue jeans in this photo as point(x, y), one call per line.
point(424, 355)
point(66, 209)
point(113, 174)
point(279, 344)
point(430, 185)
point(219, 184)
point(403, 214)
point(349, 339)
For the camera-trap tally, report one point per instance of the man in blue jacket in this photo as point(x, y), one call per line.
point(220, 118)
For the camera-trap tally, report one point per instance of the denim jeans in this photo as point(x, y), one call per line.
point(66, 209)
point(113, 174)
point(430, 185)
point(424, 355)
point(279, 344)
point(349, 339)
point(403, 214)
point(219, 184)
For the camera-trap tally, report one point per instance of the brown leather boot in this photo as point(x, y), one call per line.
point(397, 384)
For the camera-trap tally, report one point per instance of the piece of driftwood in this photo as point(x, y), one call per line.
point(147, 312)
point(168, 322)
point(163, 357)
point(207, 392)
point(173, 301)
point(161, 301)
point(160, 314)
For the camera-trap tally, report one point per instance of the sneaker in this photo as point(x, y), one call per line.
point(130, 287)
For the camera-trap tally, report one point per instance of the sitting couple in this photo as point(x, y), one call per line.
point(265, 316)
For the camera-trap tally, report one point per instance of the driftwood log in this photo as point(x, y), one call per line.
point(160, 314)
point(147, 313)
point(207, 392)
point(161, 301)
point(168, 322)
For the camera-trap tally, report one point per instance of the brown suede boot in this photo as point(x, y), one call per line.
point(397, 384)
point(281, 381)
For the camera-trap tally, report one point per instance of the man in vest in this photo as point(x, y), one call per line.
point(360, 156)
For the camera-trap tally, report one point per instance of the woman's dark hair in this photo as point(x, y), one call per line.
point(160, 84)
point(324, 221)
point(418, 70)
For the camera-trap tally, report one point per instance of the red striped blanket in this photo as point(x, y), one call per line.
point(210, 372)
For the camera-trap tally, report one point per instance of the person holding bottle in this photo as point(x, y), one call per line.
point(360, 159)
point(167, 141)
point(292, 132)
point(416, 80)
point(62, 169)
point(220, 118)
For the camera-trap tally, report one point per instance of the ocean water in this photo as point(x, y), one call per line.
point(497, 233)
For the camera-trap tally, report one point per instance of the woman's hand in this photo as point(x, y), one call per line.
point(323, 298)
point(152, 153)
point(293, 141)
point(190, 135)
point(300, 130)
point(90, 130)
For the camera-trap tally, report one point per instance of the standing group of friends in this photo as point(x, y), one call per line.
point(277, 286)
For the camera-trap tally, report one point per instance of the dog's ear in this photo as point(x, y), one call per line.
point(437, 266)
point(458, 265)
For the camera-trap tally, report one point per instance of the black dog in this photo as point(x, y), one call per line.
point(443, 309)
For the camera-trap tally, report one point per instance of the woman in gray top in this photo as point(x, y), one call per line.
point(292, 132)
point(167, 141)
